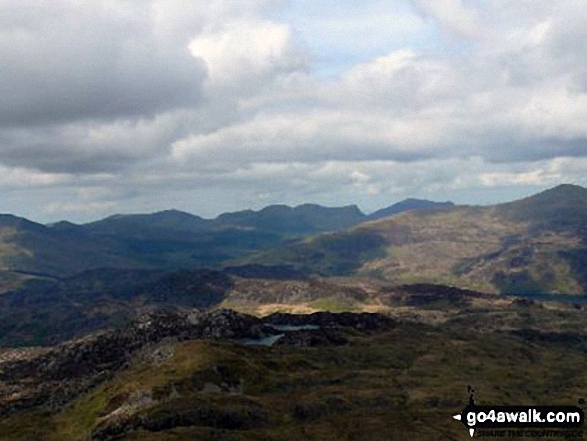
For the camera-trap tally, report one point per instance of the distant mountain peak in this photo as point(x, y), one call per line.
point(409, 204)
point(172, 213)
point(10, 220)
point(302, 219)
point(565, 190)
point(570, 186)
point(63, 225)
point(557, 207)
point(561, 195)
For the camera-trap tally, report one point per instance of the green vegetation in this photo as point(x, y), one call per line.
point(400, 384)
point(45, 312)
point(334, 254)
point(533, 245)
point(333, 305)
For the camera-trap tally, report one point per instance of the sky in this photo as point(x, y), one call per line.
point(128, 106)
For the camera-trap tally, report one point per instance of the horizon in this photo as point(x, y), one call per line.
point(221, 106)
point(366, 213)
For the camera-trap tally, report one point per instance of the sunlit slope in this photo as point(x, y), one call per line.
point(534, 245)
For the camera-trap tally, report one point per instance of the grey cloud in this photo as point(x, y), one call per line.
point(511, 150)
point(64, 61)
point(92, 147)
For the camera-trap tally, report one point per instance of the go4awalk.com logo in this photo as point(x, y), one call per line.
point(512, 421)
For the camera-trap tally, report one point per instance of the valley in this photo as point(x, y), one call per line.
point(335, 326)
point(278, 220)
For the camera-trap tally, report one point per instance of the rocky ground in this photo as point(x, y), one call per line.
point(50, 378)
point(185, 374)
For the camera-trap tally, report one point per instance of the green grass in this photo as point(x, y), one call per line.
point(401, 384)
point(334, 305)
point(474, 248)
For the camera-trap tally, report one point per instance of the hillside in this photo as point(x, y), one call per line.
point(537, 244)
point(168, 239)
point(182, 374)
point(407, 205)
point(48, 311)
point(30, 247)
point(303, 219)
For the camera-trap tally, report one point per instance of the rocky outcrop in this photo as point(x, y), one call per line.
point(58, 375)
point(111, 350)
point(310, 338)
point(70, 369)
point(361, 321)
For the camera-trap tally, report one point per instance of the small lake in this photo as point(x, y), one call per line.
point(265, 341)
point(295, 327)
point(272, 339)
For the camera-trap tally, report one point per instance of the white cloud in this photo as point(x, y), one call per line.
point(244, 55)
point(87, 208)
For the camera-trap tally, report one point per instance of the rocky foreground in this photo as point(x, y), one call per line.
point(51, 378)
point(183, 374)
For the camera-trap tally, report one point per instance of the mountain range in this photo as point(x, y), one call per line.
point(534, 245)
point(314, 323)
point(537, 244)
point(168, 239)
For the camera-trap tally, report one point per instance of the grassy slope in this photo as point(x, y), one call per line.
point(34, 248)
point(403, 384)
point(47, 312)
point(478, 249)
point(470, 247)
point(328, 254)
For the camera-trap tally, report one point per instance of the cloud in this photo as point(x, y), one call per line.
point(505, 100)
point(145, 101)
point(64, 60)
point(245, 55)
point(91, 147)
point(453, 15)
point(101, 86)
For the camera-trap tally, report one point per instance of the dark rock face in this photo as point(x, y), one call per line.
point(112, 350)
point(361, 321)
point(310, 338)
point(426, 294)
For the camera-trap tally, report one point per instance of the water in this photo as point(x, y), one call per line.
point(295, 327)
point(272, 339)
point(265, 341)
